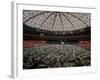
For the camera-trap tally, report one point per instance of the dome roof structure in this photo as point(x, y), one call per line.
point(56, 21)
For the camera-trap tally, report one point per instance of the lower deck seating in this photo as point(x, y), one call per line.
point(55, 55)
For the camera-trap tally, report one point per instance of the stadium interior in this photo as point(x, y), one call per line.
point(54, 39)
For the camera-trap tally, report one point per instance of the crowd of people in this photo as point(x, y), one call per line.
point(55, 55)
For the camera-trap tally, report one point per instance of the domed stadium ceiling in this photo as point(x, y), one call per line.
point(56, 21)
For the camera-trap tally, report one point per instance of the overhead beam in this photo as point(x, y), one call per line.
point(68, 20)
point(46, 19)
point(61, 21)
point(54, 21)
point(78, 18)
point(34, 17)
